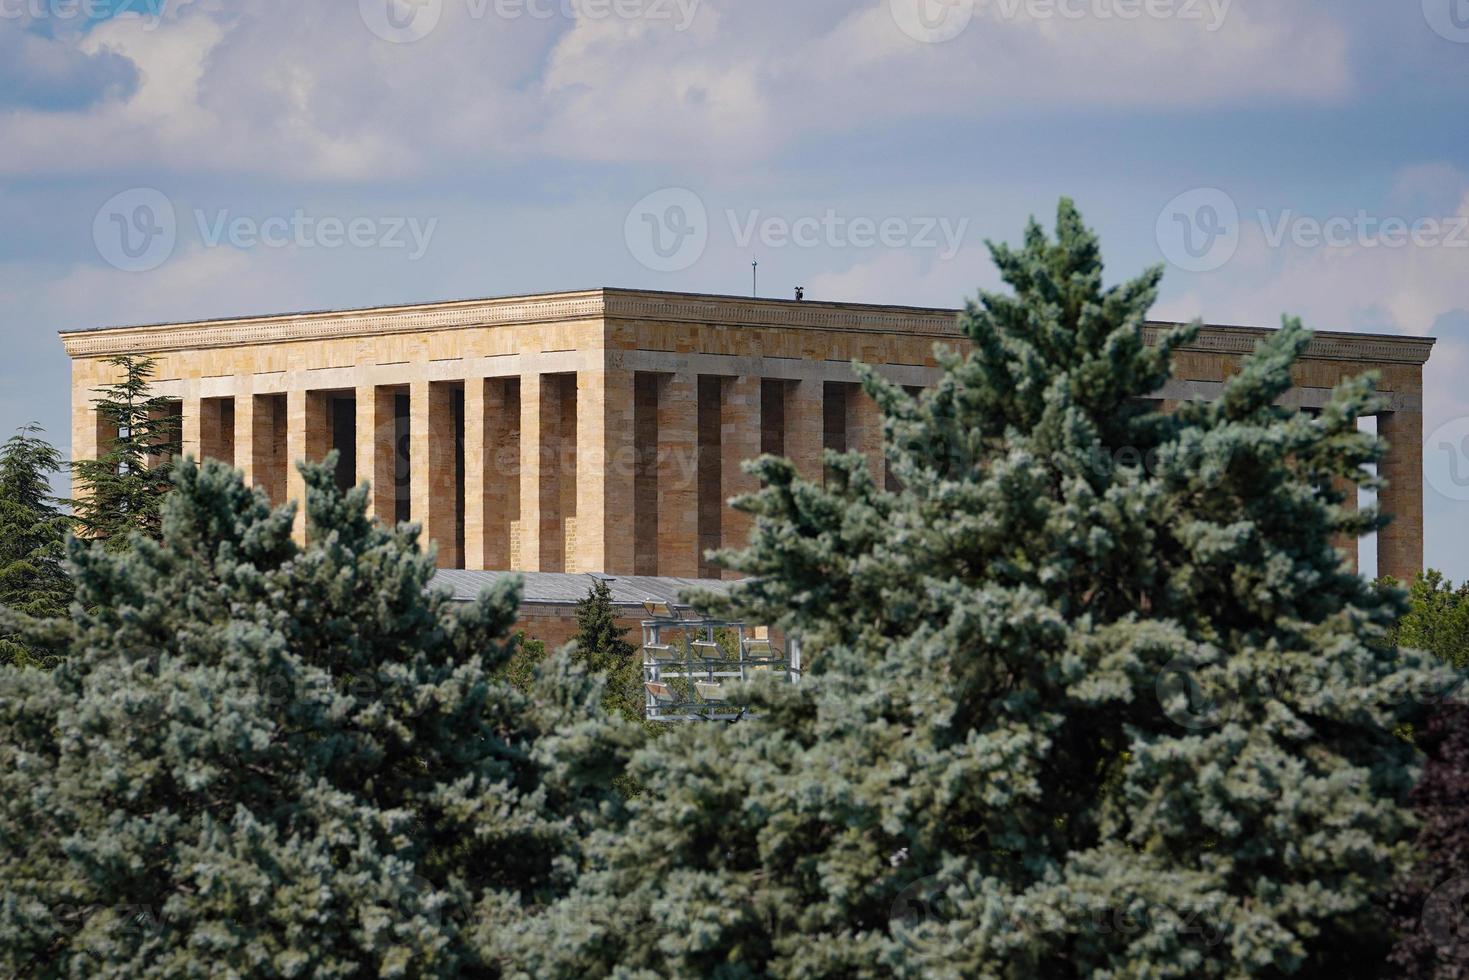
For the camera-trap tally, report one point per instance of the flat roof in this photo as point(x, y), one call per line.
point(567, 589)
point(644, 304)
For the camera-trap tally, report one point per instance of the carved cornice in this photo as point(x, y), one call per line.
point(556, 308)
point(1326, 345)
point(740, 311)
point(636, 305)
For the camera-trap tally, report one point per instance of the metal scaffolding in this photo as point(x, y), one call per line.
point(689, 665)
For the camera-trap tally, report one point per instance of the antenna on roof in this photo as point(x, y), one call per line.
point(755, 278)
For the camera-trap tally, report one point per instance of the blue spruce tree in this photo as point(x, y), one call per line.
point(1091, 695)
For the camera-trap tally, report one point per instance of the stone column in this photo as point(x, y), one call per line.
point(805, 427)
point(266, 445)
point(1400, 544)
point(91, 436)
point(740, 435)
point(245, 429)
point(1346, 543)
point(864, 432)
point(502, 470)
point(605, 473)
point(192, 424)
point(477, 453)
point(376, 437)
point(678, 476)
point(431, 428)
point(527, 535)
point(308, 437)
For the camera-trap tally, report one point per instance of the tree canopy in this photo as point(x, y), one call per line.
point(33, 530)
point(274, 761)
point(121, 491)
point(1092, 694)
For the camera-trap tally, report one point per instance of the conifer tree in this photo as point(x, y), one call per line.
point(603, 647)
point(121, 491)
point(268, 761)
point(1429, 903)
point(993, 767)
point(33, 579)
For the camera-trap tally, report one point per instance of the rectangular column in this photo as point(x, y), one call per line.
point(192, 423)
point(644, 515)
point(435, 468)
point(91, 435)
point(605, 472)
point(741, 435)
point(376, 438)
point(527, 536)
point(864, 432)
point(308, 438)
point(1346, 543)
point(477, 453)
point(502, 471)
point(245, 429)
point(264, 444)
point(710, 478)
point(559, 537)
point(1400, 544)
point(678, 485)
point(804, 428)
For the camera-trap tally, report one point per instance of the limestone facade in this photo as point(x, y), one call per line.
point(601, 431)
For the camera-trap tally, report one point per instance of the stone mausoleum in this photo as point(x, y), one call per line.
point(602, 431)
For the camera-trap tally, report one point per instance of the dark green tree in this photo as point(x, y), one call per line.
point(1437, 619)
point(121, 491)
point(524, 664)
point(1433, 931)
point(994, 766)
point(262, 760)
point(602, 646)
point(33, 530)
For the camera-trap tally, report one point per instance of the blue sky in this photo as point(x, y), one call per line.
point(1314, 155)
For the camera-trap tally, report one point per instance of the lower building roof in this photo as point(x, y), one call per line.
point(566, 589)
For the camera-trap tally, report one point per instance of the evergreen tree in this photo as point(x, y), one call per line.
point(1437, 619)
point(525, 662)
point(601, 645)
point(1433, 930)
point(991, 768)
point(33, 579)
point(262, 760)
point(121, 492)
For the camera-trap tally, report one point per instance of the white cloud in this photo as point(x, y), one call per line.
point(307, 91)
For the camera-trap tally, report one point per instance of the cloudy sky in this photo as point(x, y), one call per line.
point(176, 159)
